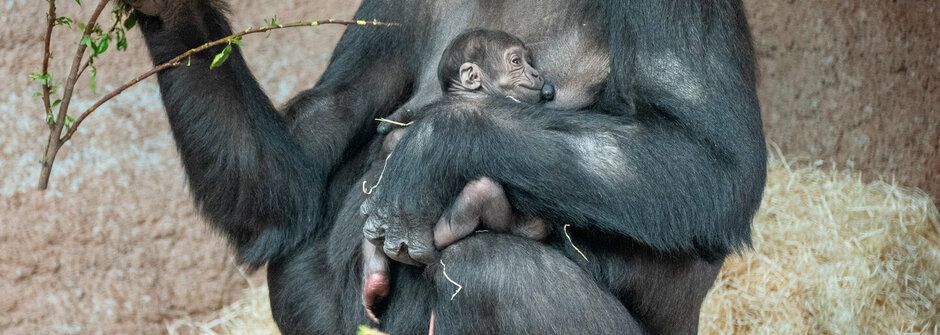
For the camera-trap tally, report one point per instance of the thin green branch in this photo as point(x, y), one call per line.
point(56, 136)
point(46, 55)
point(54, 142)
point(178, 60)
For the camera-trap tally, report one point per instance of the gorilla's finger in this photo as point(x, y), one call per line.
point(398, 250)
point(374, 230)
point(148, 7)
point(365, 209)
point(424, 255)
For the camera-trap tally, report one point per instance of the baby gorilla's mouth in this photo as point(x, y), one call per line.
point(548, 91)
point(544, 91)
point(534, 91)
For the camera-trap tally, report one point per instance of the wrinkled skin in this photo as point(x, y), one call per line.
point(512, 75)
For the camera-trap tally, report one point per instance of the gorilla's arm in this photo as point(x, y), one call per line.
point(672, 153)
point(249, 174)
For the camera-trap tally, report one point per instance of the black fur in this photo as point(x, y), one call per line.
point(248, 175)
point(679, 106)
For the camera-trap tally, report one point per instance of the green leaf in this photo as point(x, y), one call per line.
point(221, 57)
point(272, 22)
point(87, 41)
point(79, 2)
point(121, 38)
point(366, 330)
point(93, 81)
point(50, 118)
point(102, 45)
point(131, 20)
point(56, 103)
point(63, 21)
point(44, 79)
point(69, 121)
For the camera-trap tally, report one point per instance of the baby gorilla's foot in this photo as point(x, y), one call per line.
point(481, 203)
point(375, 286)
point(374, 289)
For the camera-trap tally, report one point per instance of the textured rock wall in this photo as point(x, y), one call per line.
point(853, 82)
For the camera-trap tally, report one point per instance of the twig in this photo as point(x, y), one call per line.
point(85, 66)
point(572, 243)
point(91, 60)
point(444, 271)
point(46, 55)
point(55, 141)
point(178, 60)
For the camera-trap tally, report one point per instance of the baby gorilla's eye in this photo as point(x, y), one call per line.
point(516, 60)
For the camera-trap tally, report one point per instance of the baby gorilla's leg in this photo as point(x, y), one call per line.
point(375, 285)
point(481, 201)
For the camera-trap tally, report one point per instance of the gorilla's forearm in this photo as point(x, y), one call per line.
point(670, 154)
point(249, 177)
point(249, 174)
point(654, 180)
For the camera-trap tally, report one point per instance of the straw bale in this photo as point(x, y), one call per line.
point(832, 255)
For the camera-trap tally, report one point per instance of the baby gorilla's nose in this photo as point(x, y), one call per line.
point(548, 91)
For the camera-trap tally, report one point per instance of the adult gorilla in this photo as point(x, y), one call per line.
point(652, 152)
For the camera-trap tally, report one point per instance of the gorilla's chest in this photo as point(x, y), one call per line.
point(567, 38)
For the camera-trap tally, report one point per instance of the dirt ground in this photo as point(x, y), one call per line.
point(116, 246)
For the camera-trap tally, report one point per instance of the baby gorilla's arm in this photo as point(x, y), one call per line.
point(483, 201)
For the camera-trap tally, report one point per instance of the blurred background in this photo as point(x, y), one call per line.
point(115, 245)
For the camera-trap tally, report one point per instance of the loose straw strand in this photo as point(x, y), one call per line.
point(400, 124)
point(572, 243)
point(444, 271)
point(377, 181)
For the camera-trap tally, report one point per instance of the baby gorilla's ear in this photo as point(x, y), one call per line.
point(471, 76)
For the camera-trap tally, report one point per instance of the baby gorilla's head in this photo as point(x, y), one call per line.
point(492, 62)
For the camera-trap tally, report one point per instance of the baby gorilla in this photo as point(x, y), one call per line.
point(478, 64)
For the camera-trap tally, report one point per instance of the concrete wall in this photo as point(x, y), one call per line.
point(853, 82)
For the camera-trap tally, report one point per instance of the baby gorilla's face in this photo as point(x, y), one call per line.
point(514, 76)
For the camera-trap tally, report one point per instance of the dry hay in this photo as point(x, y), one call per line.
point(250, 315)
point(832, 255)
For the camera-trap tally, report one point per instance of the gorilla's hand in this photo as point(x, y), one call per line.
point(173, 12)
point(411, 196)
point(403, 238)
point(149, 7)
